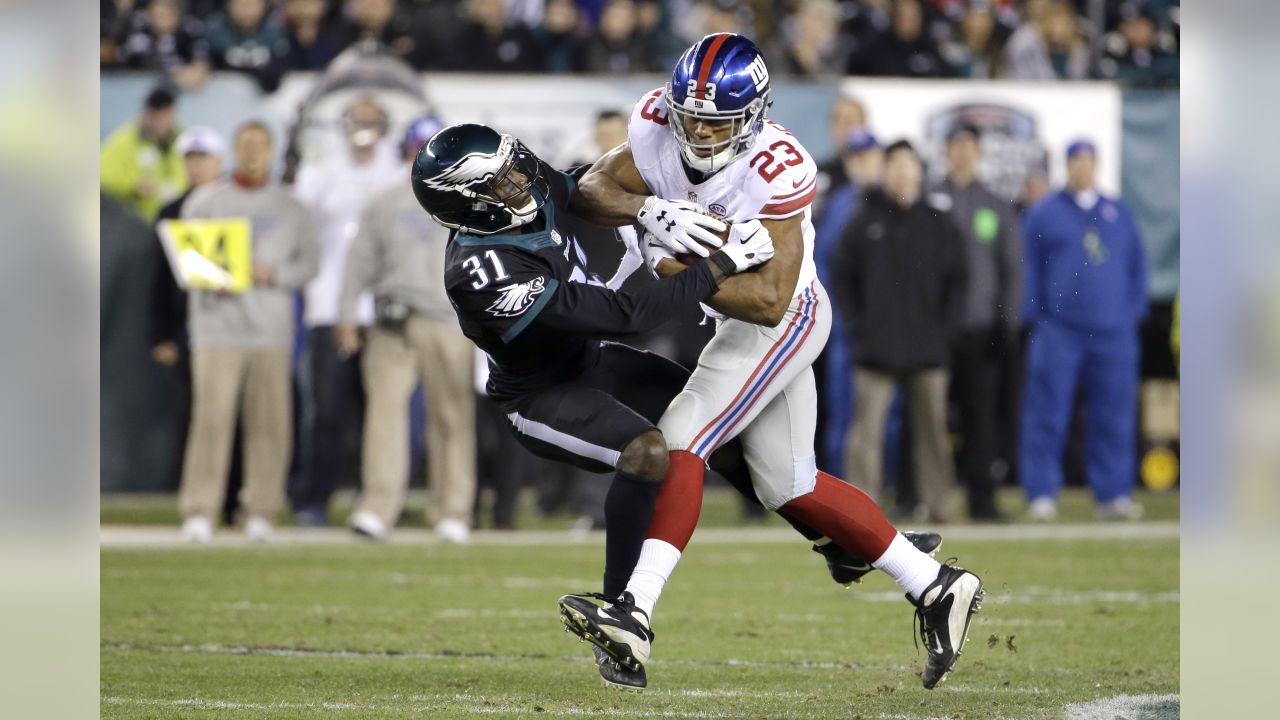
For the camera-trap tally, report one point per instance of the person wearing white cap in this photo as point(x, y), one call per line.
point(398, 253)
point(202, 150)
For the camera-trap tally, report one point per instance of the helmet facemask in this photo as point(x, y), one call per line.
point(745, 124)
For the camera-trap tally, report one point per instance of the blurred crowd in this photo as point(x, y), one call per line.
point(967, 325)
point(1131, 41)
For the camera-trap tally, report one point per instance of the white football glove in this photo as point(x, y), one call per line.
point(749, 245)
point(632, 259)
point(654, 253)
point(680, 225)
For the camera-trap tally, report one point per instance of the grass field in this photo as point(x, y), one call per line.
point(750, 627)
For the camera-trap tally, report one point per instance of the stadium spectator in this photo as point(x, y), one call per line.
point(1085, 296)
point(313, 41)
point(616, 47)
point(714, 16)
point(399, 255)
point(1048, 46)
point(159, 37)
point(376, 26)
point(1138, 55)
point(861, 163)
point(486, 42)
point(139, 165)
point(993, 253)
point(811, 42)
point(608, 132)
point(980, 39)
point(899, 282)
point(559, 36)
point(336, 190)
point(906, 50)
point(246, 39)
point(202, 151)
point(241, 344)
point(846, 114)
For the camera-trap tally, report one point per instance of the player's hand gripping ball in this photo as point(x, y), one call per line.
point(692, 258)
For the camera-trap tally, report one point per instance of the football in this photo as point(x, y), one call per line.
point(691, 258)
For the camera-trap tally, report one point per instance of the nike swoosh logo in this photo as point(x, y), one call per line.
point(744, 240)
point(799, 182)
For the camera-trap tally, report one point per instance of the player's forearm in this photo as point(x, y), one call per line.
point(601, 313)
point(750, 297)
point(602, 200)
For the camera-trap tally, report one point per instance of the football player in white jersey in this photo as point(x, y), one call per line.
point(700, 150)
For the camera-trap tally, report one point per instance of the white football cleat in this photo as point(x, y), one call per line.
point(1122, 508)
point(258, 529)
point(1042, 509)
point(944, 612)
point(369, 525)
point(197, 529)
point(453, 531)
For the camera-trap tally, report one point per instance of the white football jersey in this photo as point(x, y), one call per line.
point(776, 179)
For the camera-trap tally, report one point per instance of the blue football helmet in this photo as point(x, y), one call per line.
point(722, 77)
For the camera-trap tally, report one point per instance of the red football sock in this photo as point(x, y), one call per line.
point(675, 514)
point(845, 514)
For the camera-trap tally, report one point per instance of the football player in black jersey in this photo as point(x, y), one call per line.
point(518, 282)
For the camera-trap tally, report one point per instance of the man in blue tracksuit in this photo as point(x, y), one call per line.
point(1086, 293)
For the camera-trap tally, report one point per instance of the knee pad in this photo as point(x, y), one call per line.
point(774, 493)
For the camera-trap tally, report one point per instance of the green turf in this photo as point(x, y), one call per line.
point(744, 631)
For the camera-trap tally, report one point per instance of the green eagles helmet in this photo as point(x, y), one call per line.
point(478, 180)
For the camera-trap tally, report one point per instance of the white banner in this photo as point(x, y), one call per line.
point(1025, 124)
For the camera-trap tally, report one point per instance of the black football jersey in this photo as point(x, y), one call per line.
point(527, 300)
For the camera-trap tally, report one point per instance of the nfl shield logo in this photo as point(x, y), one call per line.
point(693, 196)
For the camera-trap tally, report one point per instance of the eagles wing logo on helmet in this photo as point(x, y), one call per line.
point(516, 298)
point(470, 170)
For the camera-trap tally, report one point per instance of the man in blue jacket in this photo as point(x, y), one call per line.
point(1086, 293)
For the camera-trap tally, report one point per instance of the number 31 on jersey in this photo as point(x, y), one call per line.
point(475, 266)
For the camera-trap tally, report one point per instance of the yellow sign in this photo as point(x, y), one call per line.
point(210, 254)
point(1159, 468)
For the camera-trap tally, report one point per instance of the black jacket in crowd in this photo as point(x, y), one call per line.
point(899, 280)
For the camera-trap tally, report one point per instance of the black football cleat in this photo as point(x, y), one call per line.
point(943, 613)
point(617, 677)
point(618, 627)
point(847, 568)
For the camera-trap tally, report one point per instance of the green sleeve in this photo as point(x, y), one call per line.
point(118, 171)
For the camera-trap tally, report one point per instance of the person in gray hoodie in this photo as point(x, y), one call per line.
point(241, 345)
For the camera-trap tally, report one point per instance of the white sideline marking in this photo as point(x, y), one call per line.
point(140, 537)
point(485, 705)
point(477, 704)
point(1129, 707)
